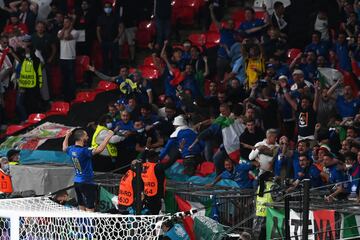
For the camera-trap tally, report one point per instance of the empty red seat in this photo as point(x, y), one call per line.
point(260, 14)
point(83, 97)
point(82, 63)
point(238, 15)
point(292, 53)
point(212, 39)
point(149, 72)
point(106, 86)
point(197, 39)
point(58, 108)
point(145, 33)
point(150, 61)
point(12, 129)
point(36, 117)
point(185, 15)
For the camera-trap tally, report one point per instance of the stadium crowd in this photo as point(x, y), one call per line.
point(255, 103)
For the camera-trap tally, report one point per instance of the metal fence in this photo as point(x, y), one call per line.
point(234, 205)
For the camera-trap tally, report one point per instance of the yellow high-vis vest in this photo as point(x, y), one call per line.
point(111, 148)
point(29, 78)
point(261, 201)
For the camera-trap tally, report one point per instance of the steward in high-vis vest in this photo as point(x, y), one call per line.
point(30, 74)
point(126, 190)
point(5, 183)
point(153, 176)
point(264, 196)
point(30, 82)
point(105, 161)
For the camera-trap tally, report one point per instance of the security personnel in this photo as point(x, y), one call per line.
point(105, 161)
point(30, 73)
point(5, 183)
point(264, 197)
point(153, 176)
point(30, 82)
point(126, 190)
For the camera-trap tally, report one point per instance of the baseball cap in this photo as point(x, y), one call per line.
point(298, 71)
point(11, 153)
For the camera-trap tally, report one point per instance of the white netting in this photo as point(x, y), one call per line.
point(40, 218)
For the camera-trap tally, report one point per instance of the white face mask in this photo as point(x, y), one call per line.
point(27, 55)
point(140, 130)
point(109, 125)
point(348, 166)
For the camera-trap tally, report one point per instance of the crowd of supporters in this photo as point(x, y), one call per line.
point(293, 106)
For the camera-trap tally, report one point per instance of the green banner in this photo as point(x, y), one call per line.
point(105, 200)
point(207, 228)
point(274, 224)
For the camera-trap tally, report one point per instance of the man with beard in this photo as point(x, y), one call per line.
point(81, 157)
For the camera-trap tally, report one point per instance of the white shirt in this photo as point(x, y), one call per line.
point(68, 47)
point(264, 160)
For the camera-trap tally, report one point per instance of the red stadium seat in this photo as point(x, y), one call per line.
point(213, 27)
point(212, 39)
point(185, 15)
point(145, 33)
point(292, 53)
point(12, 129)
point(197, 39)
point(10, 100)
point(150, 61)
point(58, 108)
point(55, 81)
point(82, 63)
point(83, 97)
point(106, 86)
point(149, 72)
point(36, 117)
point(238, 15)
point(260, 14)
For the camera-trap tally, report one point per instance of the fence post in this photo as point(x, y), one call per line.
point(14, 227)
point(306, 207)
point(138, 190)
point(287, 216)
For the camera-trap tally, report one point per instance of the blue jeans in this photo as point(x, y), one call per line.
point(68, 77)
point(163, 28)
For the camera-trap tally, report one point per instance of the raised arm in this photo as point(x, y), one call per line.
point(213, 18)
point(165, 58)
point(333, 87)
point(102, 146)
point(316, 96)
point(101, 75)
point(65, 144)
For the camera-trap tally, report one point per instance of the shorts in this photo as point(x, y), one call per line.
point(129, 36)
point(86, 194)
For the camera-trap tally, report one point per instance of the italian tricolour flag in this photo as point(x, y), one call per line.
point(231, 131)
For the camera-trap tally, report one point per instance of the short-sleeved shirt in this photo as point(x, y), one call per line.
point(82, 161)
point(68, 47)
point(306, 122)
point(240, 175)
point(347, 109)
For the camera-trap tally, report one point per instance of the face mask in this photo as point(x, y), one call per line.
point(107, 10)
point(109, 125)
point(140, 130)
point(27, 55)
point(348, 166)
point(6, 168)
